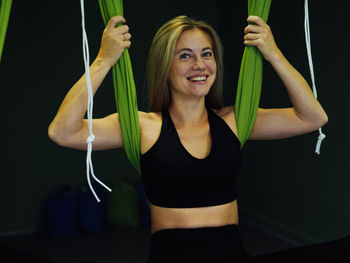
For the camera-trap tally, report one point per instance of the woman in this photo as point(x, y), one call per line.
point(190, 155)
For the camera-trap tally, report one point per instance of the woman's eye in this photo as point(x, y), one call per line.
point(185, 56)
point(207, 54)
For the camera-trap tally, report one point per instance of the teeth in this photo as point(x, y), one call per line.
point(198, 78)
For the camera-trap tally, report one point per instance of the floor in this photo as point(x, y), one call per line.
point(120, 245)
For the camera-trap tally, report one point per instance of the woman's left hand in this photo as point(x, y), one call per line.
point(306, 115)
point(259, 34)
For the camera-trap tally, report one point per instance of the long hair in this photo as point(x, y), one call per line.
point(160, 58)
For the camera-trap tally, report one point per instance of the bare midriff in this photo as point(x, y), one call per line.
point(219, 215)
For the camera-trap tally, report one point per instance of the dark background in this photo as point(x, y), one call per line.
point(284, 187)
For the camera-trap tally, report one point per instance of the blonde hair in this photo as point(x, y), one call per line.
point(160, 58)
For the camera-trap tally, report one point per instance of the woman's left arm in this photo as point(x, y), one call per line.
point(306, 115)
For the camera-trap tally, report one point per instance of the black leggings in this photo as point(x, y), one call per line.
point(224, 244)
point(205, 244)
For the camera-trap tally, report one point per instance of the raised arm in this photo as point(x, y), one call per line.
point(306, 115)
point(69, 128)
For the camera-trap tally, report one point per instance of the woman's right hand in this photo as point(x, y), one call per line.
point(114, 41)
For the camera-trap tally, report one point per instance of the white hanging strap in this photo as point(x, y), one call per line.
point(91, 137)
point(308, 47)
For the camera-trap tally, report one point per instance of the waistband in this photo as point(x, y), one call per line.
point(199, 233)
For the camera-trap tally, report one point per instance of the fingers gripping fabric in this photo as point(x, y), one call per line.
point(5, 9)
point(250, 78)
point(125, 91)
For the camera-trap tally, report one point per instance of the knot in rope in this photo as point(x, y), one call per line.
point(321, 137)
point(90, 139)
point(308, 48)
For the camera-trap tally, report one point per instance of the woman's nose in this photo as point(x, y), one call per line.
point(198, 64)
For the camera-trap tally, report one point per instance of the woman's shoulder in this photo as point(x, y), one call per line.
point(150, 127)
point(150, 116)
point(224, 112)
point(149, 119)
point(227, 113)
point(144, 117)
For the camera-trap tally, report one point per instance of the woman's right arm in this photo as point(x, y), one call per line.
point(69, 128)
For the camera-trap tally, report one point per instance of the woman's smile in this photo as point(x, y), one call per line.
point(198, 79)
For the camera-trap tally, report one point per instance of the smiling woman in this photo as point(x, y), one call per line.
point(190, 154)
point(161, 59)
point(193, 68)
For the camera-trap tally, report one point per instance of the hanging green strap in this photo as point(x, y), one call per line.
point(4, 18)
point(125, 91)
point(248, 90)
point(250, 78)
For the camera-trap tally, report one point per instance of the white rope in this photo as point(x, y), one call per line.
point(308, 48)
point(91, 138)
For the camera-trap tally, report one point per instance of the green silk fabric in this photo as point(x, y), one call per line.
point(4, 18)
point(125, 91)
point(248, 89)
point(250, 78)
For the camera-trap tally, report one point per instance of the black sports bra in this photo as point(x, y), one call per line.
point(172, 177)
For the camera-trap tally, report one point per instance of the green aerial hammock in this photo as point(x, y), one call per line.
point(248, 89)
point(248, 92)
point(250, 78)
point(4, 18)
point(125, 91)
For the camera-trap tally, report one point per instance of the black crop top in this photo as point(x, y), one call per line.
point(172, 177)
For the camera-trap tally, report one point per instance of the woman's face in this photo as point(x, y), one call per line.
point(193, 68)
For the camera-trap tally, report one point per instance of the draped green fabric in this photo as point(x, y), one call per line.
point(4, 18)
point(250, 78)
point(125, 91)
point(248, 90)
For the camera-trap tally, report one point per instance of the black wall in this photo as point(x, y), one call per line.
point(283, 184)
point(285, 187)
